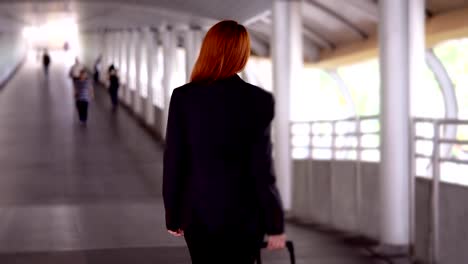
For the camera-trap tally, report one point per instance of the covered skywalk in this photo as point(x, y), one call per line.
point(371, 128)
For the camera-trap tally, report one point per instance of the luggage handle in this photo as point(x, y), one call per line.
point(289, 246)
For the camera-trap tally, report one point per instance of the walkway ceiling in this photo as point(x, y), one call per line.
point(328, 24)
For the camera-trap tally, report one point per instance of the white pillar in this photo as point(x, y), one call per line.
point(401, 54)
point(192, 42)
point(287, 68)
point(123, 66)
point(118, 63)
point(128, 92)
point(112, 46)
point(169, 39)
point(138, 45)
point(417, 67)
point(105, 57)
point(112, 41)
point(121, 61)
point(151, 66)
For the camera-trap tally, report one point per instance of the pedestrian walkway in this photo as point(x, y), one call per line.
point(92, 195)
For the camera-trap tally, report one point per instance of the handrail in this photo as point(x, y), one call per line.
point(347, 144)
point(350, 139)
point(436, 160)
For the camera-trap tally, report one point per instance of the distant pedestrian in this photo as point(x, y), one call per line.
point(97, 67)
point(83, 93)
point(46, 62)
point(114, 84)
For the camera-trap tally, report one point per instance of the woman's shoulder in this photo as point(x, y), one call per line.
point(259, 93)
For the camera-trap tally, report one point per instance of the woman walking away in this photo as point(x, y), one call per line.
point(114, 84)
point(219, 186)
point(83, 93)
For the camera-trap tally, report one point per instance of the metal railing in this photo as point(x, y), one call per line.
point(345, 139)
point(336, 143)
point(440, 154)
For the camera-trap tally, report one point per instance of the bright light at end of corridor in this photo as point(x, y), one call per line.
point(53, 34)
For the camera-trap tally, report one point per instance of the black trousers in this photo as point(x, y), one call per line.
point(96, 77)
point(82, 107)
point(208, 248)
point(114, 93)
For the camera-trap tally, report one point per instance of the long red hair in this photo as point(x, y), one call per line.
point(224, 52)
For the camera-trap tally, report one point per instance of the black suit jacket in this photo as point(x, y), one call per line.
point(218, 169)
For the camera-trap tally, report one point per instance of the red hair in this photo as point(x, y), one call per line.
point(224, 52)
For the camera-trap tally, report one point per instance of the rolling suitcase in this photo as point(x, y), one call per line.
point(289, 246)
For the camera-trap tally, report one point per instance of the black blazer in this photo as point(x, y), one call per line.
point(218, 163)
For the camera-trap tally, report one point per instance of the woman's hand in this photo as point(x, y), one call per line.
point(276, 242)
point(177, 233)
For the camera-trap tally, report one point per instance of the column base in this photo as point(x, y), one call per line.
point(396, 254)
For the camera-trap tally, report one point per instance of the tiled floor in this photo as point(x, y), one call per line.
point(92, 195)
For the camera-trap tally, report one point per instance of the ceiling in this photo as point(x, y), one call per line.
point(328, 24)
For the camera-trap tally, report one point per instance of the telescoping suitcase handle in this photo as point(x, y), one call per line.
point(289, 246)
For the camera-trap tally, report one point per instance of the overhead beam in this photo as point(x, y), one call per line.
point(260, 17)
point(367, 7)
point(317, 39)
point(439, 28)
point(314, 4)
point(259, 47)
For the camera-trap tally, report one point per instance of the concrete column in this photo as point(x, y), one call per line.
point(287, 67)
point(121, 61)
point(105, 55)
point(114, 47)
point(193, 40)
point(119, 51)
point(112, 40)
point(138, 41)
point(151, 62)
point(417, 67)
point(401, 54)
point(169, 39)
point(108, 56)
point(123, 64)
point(129, 43)
point(118, 39)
